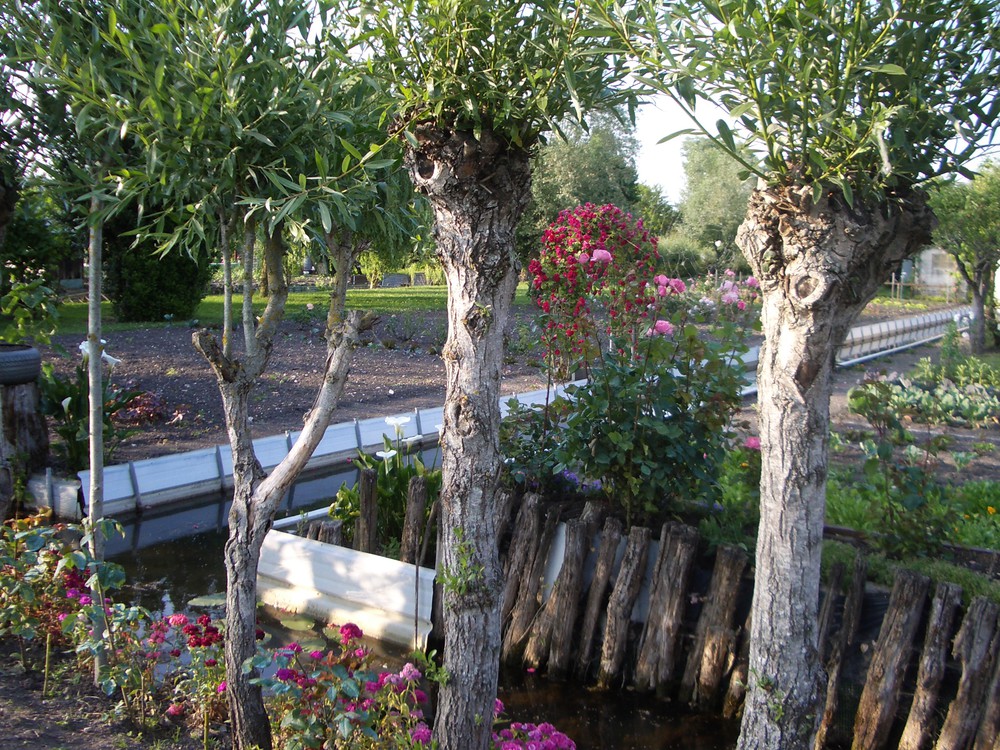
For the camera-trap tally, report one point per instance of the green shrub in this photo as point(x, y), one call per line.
point(144, 286)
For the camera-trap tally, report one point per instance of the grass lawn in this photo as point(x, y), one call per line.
point(416, 299)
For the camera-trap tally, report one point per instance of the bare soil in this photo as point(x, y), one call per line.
point(397, 369)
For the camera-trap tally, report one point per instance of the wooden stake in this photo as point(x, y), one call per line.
point(623, 596)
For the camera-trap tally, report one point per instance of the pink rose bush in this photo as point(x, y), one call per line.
point(662, 359)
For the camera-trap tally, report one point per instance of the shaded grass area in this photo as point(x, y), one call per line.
point(417, 299)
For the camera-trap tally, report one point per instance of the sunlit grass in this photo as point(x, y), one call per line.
point(417, 299)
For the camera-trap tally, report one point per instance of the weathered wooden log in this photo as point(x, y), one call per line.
point(328, 532)
point(523, 544)
point(975, 647)
point(988, 736)
point(668, 593)
point(880, 696)
point(610, 538)
point(628, 582)
point(842, 642)
point(736, 693)
point(413, 523)
point(714, 636)
point(568, 594)
point(24, 438)
point(527, 602)
point(366, 529)
point(429, 530)
point(561, 605)
point(920, 724)
point(826, 611)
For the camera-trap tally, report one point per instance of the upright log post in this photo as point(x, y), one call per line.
point(919, 730)
point(610, 538)
point(623, 596)
point(880, 697)
point(715, 637)
point(850, 621)
point(527, 602)
point(366, 535)
point(413, 523)
point(976, 648)
point(658, 645)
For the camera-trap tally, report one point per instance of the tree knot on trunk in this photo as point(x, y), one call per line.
point(477, 320)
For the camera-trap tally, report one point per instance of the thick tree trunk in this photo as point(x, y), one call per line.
point(478, 189)
point(818, 265)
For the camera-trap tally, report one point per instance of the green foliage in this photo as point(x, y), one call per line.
point(735, 514)
point(713, 203)
point(681, 256)
point(40, 238)
point(29, 311)
point(650, 425)
point(67, 403)
point(144, 286)
point(516, 68)
point(657, 214)
point(865, 97)
point(395, 465)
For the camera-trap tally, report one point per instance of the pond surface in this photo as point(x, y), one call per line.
point(171, 559)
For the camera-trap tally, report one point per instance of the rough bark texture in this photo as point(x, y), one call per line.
point(413, 525)
point(610, 537)
point(623, 596)
point(818, 265)
point(256, 497)
point(478, 189)
point(976, 647)
point(891, 656)
point(921, 723)
point(366, 530)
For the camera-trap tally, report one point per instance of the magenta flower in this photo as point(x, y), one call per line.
point(752, 443)
point(285, 674)
point(294, 647)
point(752, 283)
point(678, 286)
point(85, 600)
point(497, 707)
point(175, 709)
point(222, 687)
point(410, 673)
point(602, 256)
point(583, 258)
point(350, 632)
point(421, 733)
point(661, 280)
point(178, 621)
point(317, 655)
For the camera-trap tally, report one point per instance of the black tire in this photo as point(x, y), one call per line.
point(19, 364)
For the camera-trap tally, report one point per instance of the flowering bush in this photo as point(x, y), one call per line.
point(663, 358)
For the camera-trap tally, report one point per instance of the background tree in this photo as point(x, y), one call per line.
point(476, 84)
point(851, 105)
point(969, 230)
point(713, 203)
point(593, 165)
point(658, 215)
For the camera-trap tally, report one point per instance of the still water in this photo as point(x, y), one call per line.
point(173, 558)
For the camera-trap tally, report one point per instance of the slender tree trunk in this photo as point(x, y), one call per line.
point(256, 496)
point(818, 266)
point(95, 381)
point(478, 190)
point(977, 326)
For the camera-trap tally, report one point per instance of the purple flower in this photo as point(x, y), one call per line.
point(295, 648)
point(317, 655)
point(601, 255)
point(222, 687)
point(497, 707)
point(410, 673)
point(285, 674)
point(350, 632)
point(421, 733)
point(85, 600)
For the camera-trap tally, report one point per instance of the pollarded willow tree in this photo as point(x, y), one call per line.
point(478, 83)
point(851, 105)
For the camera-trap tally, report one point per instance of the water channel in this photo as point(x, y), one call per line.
point(171, 558)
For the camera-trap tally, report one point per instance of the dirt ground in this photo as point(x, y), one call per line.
point(397, 370)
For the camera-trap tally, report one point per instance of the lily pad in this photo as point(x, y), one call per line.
point(210, 600)
point(296, 622)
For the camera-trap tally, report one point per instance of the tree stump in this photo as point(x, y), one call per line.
point(880, 697)
point(920, 726)
point(523, 545)
point(24, 438)
point(328, 532)
point(714, 637)
point(623, 596)
point(668, 593)
point(976, 648)
point(610, 539)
